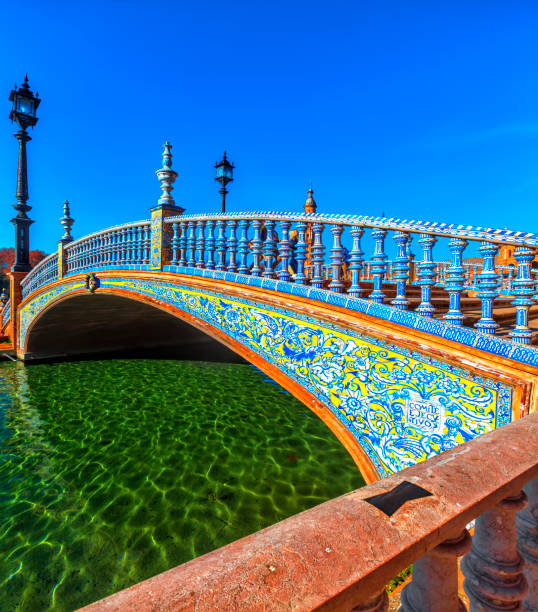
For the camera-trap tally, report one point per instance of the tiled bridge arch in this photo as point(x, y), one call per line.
point(391, 396)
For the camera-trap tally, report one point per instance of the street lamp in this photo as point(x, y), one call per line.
point(224, 176)
point(23, 113)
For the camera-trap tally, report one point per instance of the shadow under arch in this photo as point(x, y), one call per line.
point(75, 324)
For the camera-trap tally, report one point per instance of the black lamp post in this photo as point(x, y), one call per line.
point(224, 176)
point(23, 113)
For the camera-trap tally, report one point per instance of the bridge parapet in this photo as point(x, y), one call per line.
point(290, 247)
point(341, 554)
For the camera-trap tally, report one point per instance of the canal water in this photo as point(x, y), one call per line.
point(113, 471)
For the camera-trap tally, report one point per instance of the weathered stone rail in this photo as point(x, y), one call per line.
point(341, 554)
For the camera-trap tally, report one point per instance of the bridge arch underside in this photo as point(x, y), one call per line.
point(390, 405)
point(85, 324)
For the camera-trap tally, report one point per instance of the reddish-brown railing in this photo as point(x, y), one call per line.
point(341, 554)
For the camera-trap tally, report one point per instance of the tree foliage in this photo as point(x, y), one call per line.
point(7, 258)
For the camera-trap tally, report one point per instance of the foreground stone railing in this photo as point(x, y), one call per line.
point(290, 247)
point(341, 554)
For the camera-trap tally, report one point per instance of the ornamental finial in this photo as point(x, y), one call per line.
point(310, 205)
point(167, 176)
point(4, 297)
point(67, 222)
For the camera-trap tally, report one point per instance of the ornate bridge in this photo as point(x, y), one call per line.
point(402, 358)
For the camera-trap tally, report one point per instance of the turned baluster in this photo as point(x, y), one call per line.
point(270, 251)
point(138, 244)
point(232, 246)
point(300, 253)
point(378, 265)
point(243, 246)
point(523, 290)
point(487, 285)
point(130, 245)
point(191, 241)
point(456, 282)
point(401, 268)
point(434, 587)
point(183, 244)
point(493, 569)
point(175, 243)
point(284, 249)
point(510, 280)
point(147, 244)
point(221, 245)
point(318, 256)
point(210, 243)
point(426, 271)
point(527, 543)
point(355, 261)
point(337, 259)
point(257, 248)
point(200, 245)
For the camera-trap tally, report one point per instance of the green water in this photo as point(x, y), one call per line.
point(114, 471)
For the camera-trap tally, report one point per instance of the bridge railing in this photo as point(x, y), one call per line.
point(45, 272)
point(292, 248)
point(119, 247)
point(341, 554)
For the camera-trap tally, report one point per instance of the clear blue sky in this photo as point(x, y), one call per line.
point(419, 109)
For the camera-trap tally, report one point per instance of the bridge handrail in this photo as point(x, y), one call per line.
point(341, 554)
point(36, 271)
point(467, 232)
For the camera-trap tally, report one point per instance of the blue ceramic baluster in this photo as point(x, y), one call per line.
point(243, 246)
point(210, 243)
point(232, 246)
point(378, 265)
point(147, 243)
point(401, 270)
point(270, 251)
point(221, 245)
point(455, 282)
point(175, 244)
point(200, 244)
point(487, 288)
point(138, 244)
point(523, 290)
point(130, 257)
point(318, 256)
point(426, 270)
point(355, 261)
point(300, 255)
point(183, 244)
point(257, 248)
point(510, 280)
point(284, 250)
point(191, 241)
point(337, 259)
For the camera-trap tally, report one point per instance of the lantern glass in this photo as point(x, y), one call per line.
point(220, 171)
point(227, 171)
point(25, 105)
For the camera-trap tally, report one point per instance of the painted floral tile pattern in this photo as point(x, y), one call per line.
point(401, 406)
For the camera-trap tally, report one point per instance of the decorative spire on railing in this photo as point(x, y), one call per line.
point(167, 176)
point(4, 298)
point(310, 205)
point(67, 222)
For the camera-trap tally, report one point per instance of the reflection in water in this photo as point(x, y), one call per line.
point(113, 471)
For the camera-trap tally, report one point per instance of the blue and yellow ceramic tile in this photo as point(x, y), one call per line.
point(401, 406)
